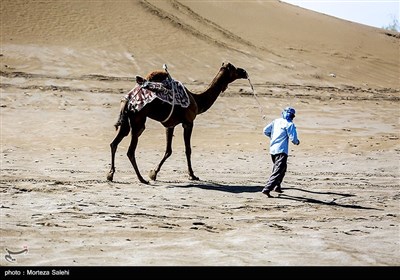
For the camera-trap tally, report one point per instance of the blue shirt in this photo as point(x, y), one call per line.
point(281, 131)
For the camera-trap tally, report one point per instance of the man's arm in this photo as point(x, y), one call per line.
point(268, 130)
point(292, 132)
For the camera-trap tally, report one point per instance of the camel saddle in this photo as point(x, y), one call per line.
point(145, 91)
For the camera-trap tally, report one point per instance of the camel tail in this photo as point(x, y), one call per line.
point(123, 116)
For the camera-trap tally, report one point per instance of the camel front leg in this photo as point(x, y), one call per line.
point(136, 132)
point(123, 131)
point(187, 134)
point(169, 131)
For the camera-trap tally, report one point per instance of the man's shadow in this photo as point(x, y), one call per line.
point(254, 189)
point(333, 202)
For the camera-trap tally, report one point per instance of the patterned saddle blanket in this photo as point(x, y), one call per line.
point(169, 90)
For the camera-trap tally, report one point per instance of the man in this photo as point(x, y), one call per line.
point(280, 131)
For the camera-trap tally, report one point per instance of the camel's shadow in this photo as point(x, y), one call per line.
point(254, 189)
point(221, 187)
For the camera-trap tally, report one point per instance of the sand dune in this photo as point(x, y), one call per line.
point(276, 41)
point(65, 66)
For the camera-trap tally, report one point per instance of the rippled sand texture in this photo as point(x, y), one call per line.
point(65, 66)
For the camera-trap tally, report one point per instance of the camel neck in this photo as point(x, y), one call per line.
point(206, 99)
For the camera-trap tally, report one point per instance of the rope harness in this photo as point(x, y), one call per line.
point(173, 93)
point(174, 90)
point(263, 116)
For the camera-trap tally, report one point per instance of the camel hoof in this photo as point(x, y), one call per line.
point(194, 178)
point(110, 176)
point(153, 174)
point(144, 182)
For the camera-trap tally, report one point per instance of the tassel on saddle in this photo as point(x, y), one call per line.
point(122, 113)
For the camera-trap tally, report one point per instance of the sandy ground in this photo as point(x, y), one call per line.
point(340, 205)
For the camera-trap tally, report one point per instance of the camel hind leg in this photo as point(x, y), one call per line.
point(187, 134)
point(122, 132)
point(137, 128)
point(169, 131)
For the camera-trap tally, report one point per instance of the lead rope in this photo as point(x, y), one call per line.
point(173, 93)
point(263, 116)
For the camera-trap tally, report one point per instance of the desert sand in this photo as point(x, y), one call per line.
point(65, 66)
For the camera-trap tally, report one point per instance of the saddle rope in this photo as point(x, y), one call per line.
point(263, 116)
point(173, 93)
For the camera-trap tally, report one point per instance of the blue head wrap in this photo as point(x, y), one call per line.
point(288, 113)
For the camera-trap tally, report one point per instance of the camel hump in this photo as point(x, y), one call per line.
point(157, 76)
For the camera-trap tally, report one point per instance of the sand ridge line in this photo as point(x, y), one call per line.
point(344, 92)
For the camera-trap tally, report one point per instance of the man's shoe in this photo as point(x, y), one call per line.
point(278, 190)
point(266, 192)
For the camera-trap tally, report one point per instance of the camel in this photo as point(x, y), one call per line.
point(170, 116)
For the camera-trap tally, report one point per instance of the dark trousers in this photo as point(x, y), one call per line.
point(278, 171)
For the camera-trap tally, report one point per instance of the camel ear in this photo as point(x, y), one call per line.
point(226, 64)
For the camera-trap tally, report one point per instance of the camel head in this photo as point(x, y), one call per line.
point(231, 73)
